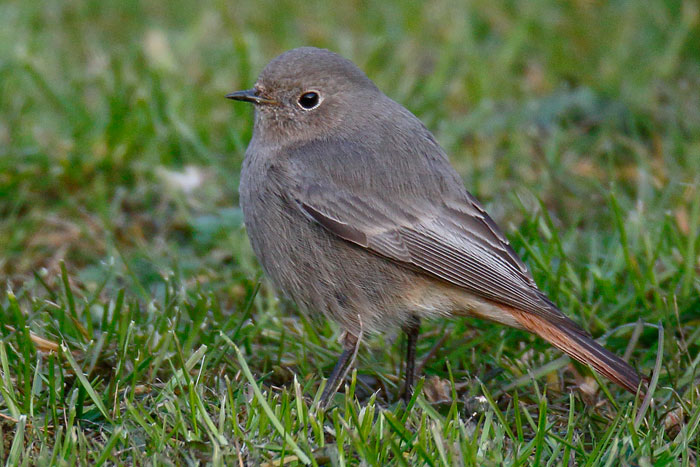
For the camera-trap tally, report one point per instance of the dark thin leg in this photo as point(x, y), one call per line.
point(412, 328)
point(351, 344)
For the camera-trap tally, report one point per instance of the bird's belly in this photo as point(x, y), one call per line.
point(325, 274)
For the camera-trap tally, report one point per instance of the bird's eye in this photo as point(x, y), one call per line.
point(309, 100)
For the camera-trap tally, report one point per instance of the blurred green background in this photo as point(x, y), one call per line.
point(576, 123)
point(101, 101)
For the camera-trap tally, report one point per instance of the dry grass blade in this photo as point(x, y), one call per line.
point(43, 345)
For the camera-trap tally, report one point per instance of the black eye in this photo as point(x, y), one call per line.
point(309, 100)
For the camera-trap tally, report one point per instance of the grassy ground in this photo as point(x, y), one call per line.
point(136, 328)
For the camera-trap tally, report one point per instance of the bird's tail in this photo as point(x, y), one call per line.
point(576, 344)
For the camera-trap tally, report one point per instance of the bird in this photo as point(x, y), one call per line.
point(355, 213)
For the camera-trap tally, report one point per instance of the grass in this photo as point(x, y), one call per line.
point(136, 327)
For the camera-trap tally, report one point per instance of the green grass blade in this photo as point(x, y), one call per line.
point(263, 403)
point(85, 384)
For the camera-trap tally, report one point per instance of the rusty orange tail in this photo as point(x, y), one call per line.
point(576, 344)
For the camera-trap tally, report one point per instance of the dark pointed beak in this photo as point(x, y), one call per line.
point(249, 95)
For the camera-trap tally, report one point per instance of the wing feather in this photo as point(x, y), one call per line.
point(453, 241)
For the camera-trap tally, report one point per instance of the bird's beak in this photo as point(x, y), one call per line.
point(249, 95)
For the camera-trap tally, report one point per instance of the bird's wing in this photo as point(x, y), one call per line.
point(452, 240)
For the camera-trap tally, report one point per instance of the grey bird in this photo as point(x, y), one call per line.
point(355, 212)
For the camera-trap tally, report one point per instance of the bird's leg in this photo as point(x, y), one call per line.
point(411, 328)
point(351, 344)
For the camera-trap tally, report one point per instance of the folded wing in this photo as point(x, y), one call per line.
point(451, 240)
